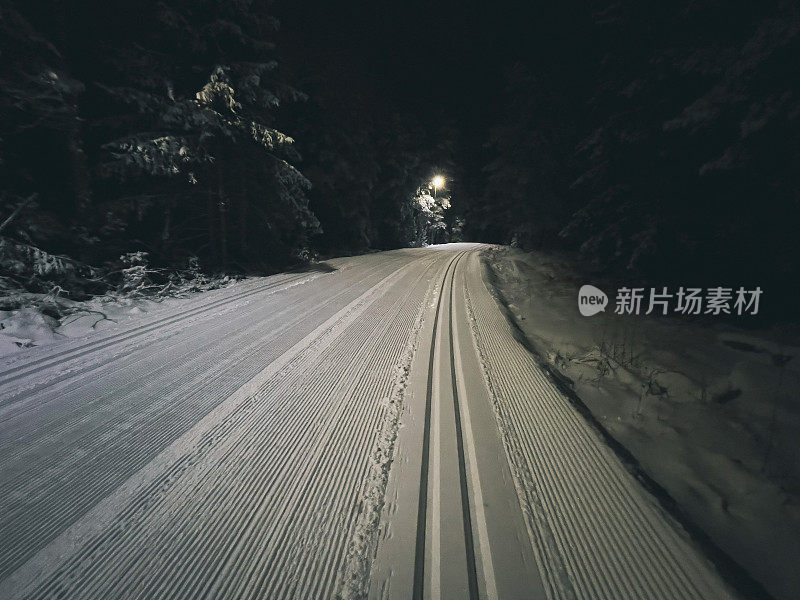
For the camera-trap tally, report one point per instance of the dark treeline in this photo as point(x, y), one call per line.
point(169, 128)
point(149, 126)
point(656, 140)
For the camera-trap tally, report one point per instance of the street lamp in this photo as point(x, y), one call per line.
point(437, 182)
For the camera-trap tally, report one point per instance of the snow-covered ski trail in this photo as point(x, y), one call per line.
point(53, 480)
point(374, 431)
point(452, 522)
point(77, 439)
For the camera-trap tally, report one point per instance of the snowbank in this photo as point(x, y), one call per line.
point(710, 411)
point(43, 319)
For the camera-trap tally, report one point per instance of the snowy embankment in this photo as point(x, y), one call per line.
point(46, 299)
point(30, 326)
point(710, 411)
point(43, 320)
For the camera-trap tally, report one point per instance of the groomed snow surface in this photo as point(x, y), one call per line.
point(371, 429)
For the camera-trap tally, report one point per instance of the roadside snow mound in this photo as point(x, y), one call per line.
point(25, 328)
point(710, 411)
point(28, 320)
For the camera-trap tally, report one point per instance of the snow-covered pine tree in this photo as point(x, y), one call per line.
point(192, 132)
point(429, 226)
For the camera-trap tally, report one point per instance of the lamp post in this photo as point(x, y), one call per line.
point(436, 182)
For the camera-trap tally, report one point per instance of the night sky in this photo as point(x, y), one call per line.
point(436, 57)
point(443, 62)
point(440, 59)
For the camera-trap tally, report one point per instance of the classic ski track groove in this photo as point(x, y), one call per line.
point(422, 511)
point(472, 576)
point(419, 584)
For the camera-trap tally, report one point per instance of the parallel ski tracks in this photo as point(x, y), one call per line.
point(472, 573)
point(421, 578)
point(201, 487)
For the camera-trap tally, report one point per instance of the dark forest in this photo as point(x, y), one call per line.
point(649, 140)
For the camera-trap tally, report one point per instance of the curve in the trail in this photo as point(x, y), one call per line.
point(377, 431)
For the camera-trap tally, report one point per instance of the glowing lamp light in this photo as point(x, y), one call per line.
point(438, 182)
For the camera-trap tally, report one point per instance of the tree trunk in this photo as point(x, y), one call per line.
point(222, 208)
point(212, 234)
point(243, 228)
point(79, 173)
